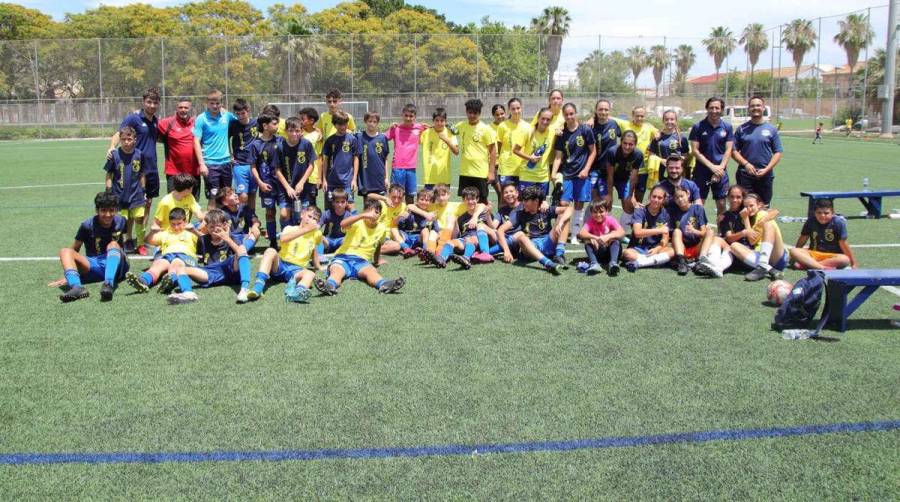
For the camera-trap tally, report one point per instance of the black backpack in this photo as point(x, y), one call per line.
point(800, 307)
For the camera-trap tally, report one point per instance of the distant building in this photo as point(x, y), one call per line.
point(705, 85)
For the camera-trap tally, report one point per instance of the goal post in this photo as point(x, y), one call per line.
point(356, 108)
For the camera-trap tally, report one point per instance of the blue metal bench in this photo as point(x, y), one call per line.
point(839, 284)
point(871, 199)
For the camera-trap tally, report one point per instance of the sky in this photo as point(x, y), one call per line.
point(613, 25)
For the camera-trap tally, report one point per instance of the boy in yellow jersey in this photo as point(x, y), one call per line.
point(445, 214)
point(361, 248)
point(478, 151)
point(438, 143)
point(290, 264)
point(180, 197)
point(767, 255)
point(177, 250)
point(308, 118)
point(333, 101)
point(508, 133)
point(535, 148)
point(392, 206)
point(554, 104)
point(645, 132)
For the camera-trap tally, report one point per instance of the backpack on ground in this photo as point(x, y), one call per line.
point(800, 307)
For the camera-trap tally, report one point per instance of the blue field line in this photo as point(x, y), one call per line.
point(442, 450)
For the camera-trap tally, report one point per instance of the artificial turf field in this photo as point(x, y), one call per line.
point(497, 355)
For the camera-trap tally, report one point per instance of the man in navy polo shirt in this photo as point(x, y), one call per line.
point(144, 122)
point(211, 146)
point(674, 179)
point(712, 140)
point(757, 150)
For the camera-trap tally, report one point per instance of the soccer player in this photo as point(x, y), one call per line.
point(606, 133)
point(757, 150)
point(406, 137)
point(211, 146)
point(478, 147)
point(674, 179)
point(181, 196)
point(471, 229)
point(509, 133)
point(125, 177)
point(649, 246)
point(766, 254)
point(509, 204)
point(690, 229)
point(645, 132)
point(602, 236)
point(340, 158)
point(670, 141)
point(308, 118)
point(325, 122)
point(438, 143)
point(361, 248)
point(731, 227)
point(266, 153)
point(331, 222)
point(554, 104)
point(827, 236)
point(273, 110)
point(241, 133)
point(537, 150)
point(537, 238)
point(712, 140)
point(177, 251)
point(445, 214)
point(574, 154)
point(292, 263)
point(818, 138)
point(240, 218)
point(103, 260)
point(177, 135)
point(224, 254)
point(413, 227)
point(146, 126)
point(374, 148)
point(297, 165)
point(623, 163)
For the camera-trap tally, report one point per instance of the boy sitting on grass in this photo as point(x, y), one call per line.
point(472, 229)
point(291, 263)
point(766, 254)
point(602, 236)
point(333, 232)
point(181, 197)
point(408, 237)
point(241, 218)
point(827, 236)
point(690, 229)
point(536, 237)
point(177, 251)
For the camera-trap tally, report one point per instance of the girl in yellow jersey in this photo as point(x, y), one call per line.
point(554, 103)
point(536, 149)
point(507, 134)
point(767, 255)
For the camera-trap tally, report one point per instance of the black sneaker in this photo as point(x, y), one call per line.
point(166, 285)
point(682, 266)
point(74, 293)
point(756, 274)
point(555, 269)
point(325, 287)
point(392, 285)
point(106, 292)
point(434, 259)
point(561, 261)
point(775, 274)
point(613, 269)
point(631, 266)
point(461, 260)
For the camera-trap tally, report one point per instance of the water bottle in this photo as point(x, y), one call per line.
point(539, 152)
point(298, 206)
point(796, 334)
point(865, 184)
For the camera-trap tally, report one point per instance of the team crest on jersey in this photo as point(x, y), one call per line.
point(829, 235)
point(254, 132)
point(673, 144)
point(612, 134)
point(766, 133)
point(301, 157)
point(345, 147)
point(579, 141)
point(723, 133)
point(379, 148)
point(136, 166)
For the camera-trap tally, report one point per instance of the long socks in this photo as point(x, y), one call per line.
point(113, 259)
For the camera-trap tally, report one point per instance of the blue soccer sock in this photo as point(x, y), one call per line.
point(446, 251)
point(560, 249)
point(113, 259)
point(146, 278)
point(260, 283)
point(333, 283)
point(286, 222)
point(615, 247)
point(545, 261)
point(244, 270)
point(249, 244)
point(185, 283)
point(320, 248)
point(73, 278)
point(271, 231)
point(591, 253)
point(379, 283)
point(469, 250)
point(495, 249)
point(483, 244)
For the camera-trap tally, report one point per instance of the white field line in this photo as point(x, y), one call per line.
point(891, 289)
point(51, 186)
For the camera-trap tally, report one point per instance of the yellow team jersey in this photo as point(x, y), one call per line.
point(446, 216)
point(530, 142)
point(315, 137)
point(474, 141)
point(168, 203)
point(390, 214)
point(327, 127)
point(557, 122)
point(183, 242)
point(300, 250)
point(436, 156)
point(282, 128)
point(757, 227)
point(362, 241)
point(509, 132)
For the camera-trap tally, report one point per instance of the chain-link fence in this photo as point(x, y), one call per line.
point(92, 83)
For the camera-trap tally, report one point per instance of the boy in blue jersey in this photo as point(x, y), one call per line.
point(674, 179)
point(533, 231)
point(241, 133)
point(413, 227)
point(649, 245)
point(297, 165)
point(104, 259)
point(340, 159)
point(125, 178)
point(575, 152)
point(374, 148)
point(690, 230)
point(827, 236)
point(211, 146)
point(177, 250)
point(757, 150)
point(295, 263)
point(712, 140)
point(240, 218)
point(330, 222)
point(266, 153)
point(471, 233)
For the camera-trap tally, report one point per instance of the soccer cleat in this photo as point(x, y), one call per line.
point(299, 295)
point(594, 269)
point(631, 266)
point(775, 274)
point(555, 269)
point(613, 269)
point(717, 272)
point(392, 285)
point(462, 261)
point(434, 259)
point(135, 282)
point(561, 261)
point(408, 253)
point(142, 250)
point(756, 274)
point(682, 266)
point(290, 289)
point(181, 298)
point(74, 293)
point(704, 266)
point(252, 295)
point(106, 292)
point(166, 285)
point(324, 287)
point(480, 257)
point(243, 295)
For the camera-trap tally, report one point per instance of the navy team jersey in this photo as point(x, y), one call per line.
point(96, 238)
point(694, 216)
point(825, 238)
point(606, 135)
point(712, 139)
point(330, 223)
point(211, 254)
point(503, 214)
point(372, 161)
point(463, 220)
point(669, 188)
point(669, 143)
point(643, 216)
point(241, 136)
point(267, 155)
point(340, 150)
point(413, 223)
point(147, 133)
point(127, 170)
point(534, 225)
point(242, 219)
point(296, 160)
point(574, 145)
point(732, 222)
point(757, 143)
point(623, 164)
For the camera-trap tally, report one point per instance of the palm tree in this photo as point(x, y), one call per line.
point(637, 60)
point(684, 60)
point(755, 41)
point(855, 35)
point(658, 59)
point(798, 37)
point(719, 45)
point(553, 22)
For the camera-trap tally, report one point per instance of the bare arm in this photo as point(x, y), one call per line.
point(845, 248)
point(303, 229)
point(198, 151)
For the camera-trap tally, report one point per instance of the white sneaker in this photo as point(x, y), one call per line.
point(242, 296)
point(179, 298)
point(716, 272)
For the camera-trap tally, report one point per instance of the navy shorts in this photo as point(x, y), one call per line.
point(543, 185)
point(151, 184)
point(309, 194)
point(285, 271)
point(703, 179)
point(332, 243)
point(274, 198)
point(97, 272)
point(221, 273)
point(759, 186)
point(506, 180)
point(546, 245)
point(187, 259)
point(480, 184)
point(218, 177)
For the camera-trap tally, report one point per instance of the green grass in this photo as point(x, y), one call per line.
point(498, 354)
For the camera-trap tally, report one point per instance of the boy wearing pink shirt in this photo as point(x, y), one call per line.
point(602, 237)
point(406, 151)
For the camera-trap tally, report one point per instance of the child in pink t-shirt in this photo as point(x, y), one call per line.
point(406, 151)
point(602, 236)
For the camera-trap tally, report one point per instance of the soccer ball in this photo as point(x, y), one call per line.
point(777, 291)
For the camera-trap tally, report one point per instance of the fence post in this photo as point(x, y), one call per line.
point(541, 70)
point(37, 92)
point(290, 64)
point(162, 69)
point(819, 74)
point(225, 38)
point(477, 65)
point(599, 58)
point(778, 98)
point(772, 73)
point(865, 112)
point(727, 74)
point(100, 115)
point(416, 66)
point(352, 79)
